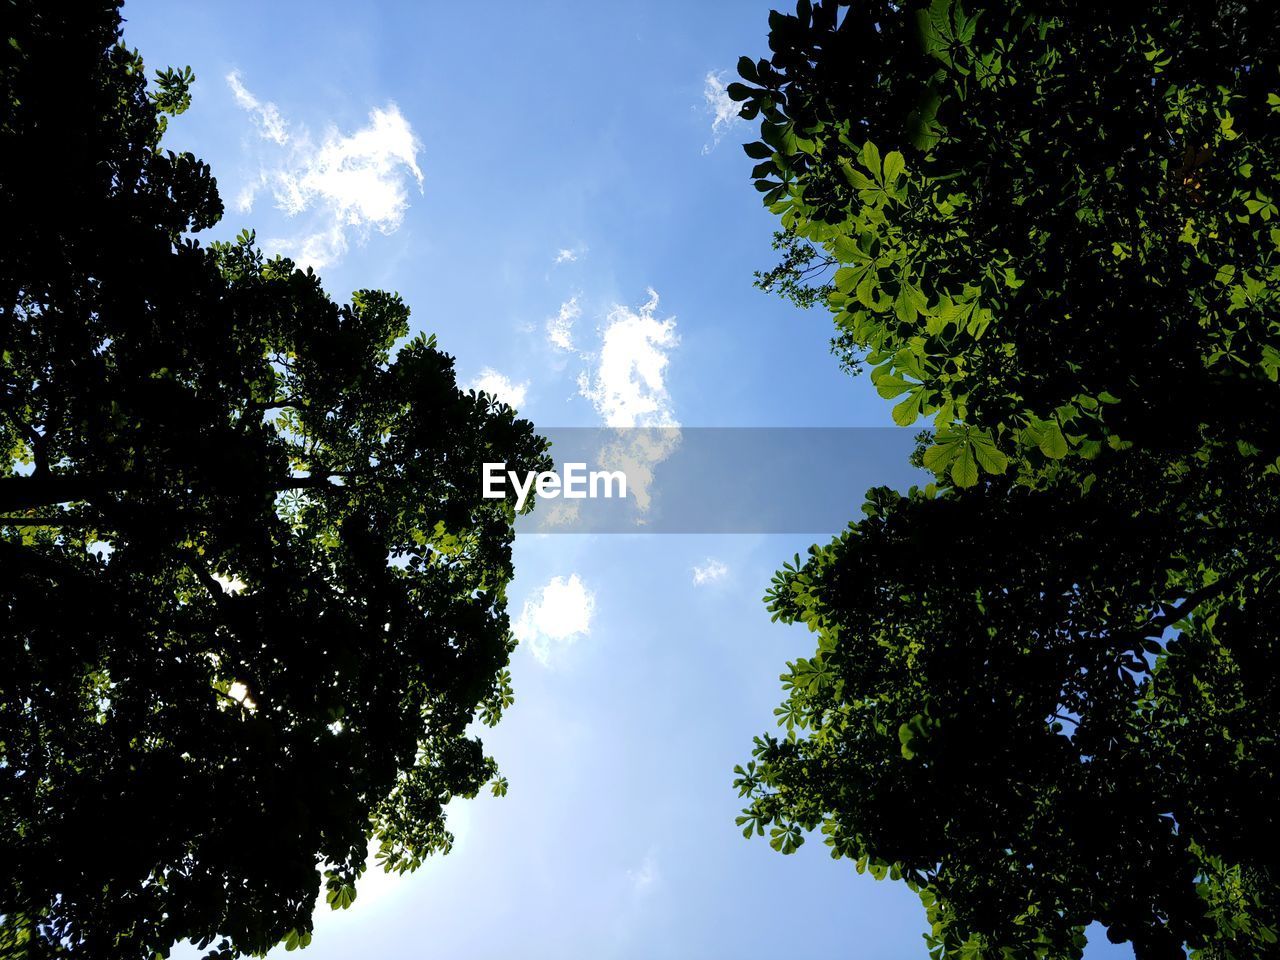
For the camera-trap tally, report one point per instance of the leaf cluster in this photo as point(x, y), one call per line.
point(1044, 688)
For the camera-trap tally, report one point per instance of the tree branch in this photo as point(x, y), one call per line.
point(265, 405)
point(30, 492)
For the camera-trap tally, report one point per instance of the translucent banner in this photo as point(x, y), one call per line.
point(707, 479)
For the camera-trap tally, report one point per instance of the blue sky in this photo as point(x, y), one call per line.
point(549, 188)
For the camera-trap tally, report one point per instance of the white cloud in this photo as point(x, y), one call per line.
point(349, 185)
point(709, 572)
point(559, 513)
point(497, 385)
point(266, 116)
point(628, 387)
point(724, 112)
point(637, 453)
point(646, 875)
point(560, 327)
point(359, 175)
point(570, 254)
point(248, 193)
point(556, 616)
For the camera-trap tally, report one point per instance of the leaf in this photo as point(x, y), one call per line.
point(906, 412)
point(905, 738)
point(904, 306)
point(296, 939)
point(785, 839)
point(341, 897)
point(979, 322)
point(846, 278)
point(964, 472)
point(894, 164)
point(916, 297)
point(1051, 441)
point(938, 457)
point(911, 738)
point(887, 383)
point(989, 456)
point(871, 159)
point(847, 250)
point(857, 180)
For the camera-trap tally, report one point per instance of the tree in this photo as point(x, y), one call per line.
point(252, 600)
point(1045, 687)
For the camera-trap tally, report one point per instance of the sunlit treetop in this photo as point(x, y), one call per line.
point(1052, 229)
point(1044, 686)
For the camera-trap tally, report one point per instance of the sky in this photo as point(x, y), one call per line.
point(558, 192)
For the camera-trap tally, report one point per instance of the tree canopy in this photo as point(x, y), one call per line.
point(251, 600)
point(1045, 684)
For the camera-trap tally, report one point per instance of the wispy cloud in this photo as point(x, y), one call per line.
point(555, 617)
point(646, 875)
point(569, 255)
point(560, 327)
point(266, 116)
point(709, 572)
point(559, 513)
point(723, 111)
point(496, 385)
point(348, 185)
point(628, 387)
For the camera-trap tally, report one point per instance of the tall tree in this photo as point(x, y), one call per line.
point(251, 599)
point(1045, 689)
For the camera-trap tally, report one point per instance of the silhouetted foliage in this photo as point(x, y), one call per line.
point(250, 597)
point(795, 276)
point(1045, 687)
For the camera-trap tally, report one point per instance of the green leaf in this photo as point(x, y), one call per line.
point(1051, 441)
point(894, 164)
point(341, 897)
point(871, 159)
point(964, 472)
point(847, 250)
point(296, 939)
point(904, 305)
point(916, 297)
point(911, 739)
point(989, 456)
point(857, 180)
point(906, 412)
point(905, 738)
point(938, 457)
point(785, 839)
